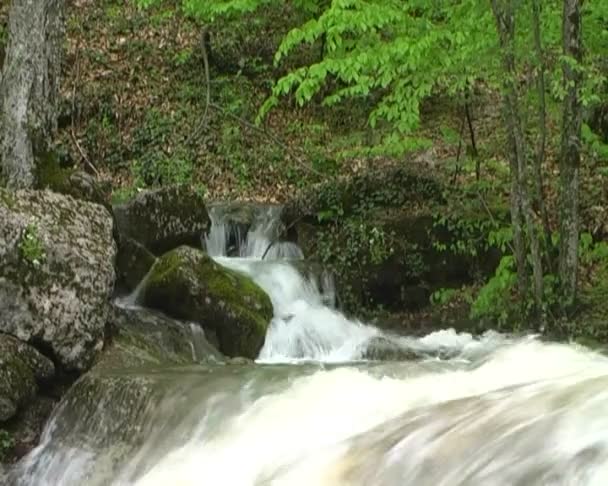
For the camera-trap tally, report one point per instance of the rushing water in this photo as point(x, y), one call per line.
point(488, 411)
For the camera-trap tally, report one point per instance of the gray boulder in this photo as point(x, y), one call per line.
point(144, 337)
point(56, 273)
point(163, 219)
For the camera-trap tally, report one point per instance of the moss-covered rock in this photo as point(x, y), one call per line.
point(21, 369)
point(145, 337)
point(78, 184)
point(395, 258)
point(133, 261)
point(187, 284)
point(392, 187)
point(163, 219)
point(56, 273)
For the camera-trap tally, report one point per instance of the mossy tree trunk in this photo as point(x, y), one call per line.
point(29, 87)
point(570, 150)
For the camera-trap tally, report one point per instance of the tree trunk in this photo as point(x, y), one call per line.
point(29, 88)
point(542, 127)
point(521, 204)
point(570, 150)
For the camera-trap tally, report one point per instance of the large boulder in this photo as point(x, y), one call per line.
point(22, 368)
point(188, 284)
point(56, 273)
point(163, 219)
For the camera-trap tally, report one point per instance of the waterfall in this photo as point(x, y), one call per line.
point(319, 409)
point(254, 234)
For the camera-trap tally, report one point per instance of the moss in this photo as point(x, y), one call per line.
point(7, 198)
point(187, 284)
point(17, 384)
point(50, 175)
point(7, 443)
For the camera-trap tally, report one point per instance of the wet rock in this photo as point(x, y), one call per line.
point(163, 219)
point(133, 261)
point(239, 361)
point(381, 348)
point(56, 273)
point(21, 369)
point(147, 337)
point(27, 426)
point(187, 284)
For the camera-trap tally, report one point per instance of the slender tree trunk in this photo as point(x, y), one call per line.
point(29, 88)
point(522, 213)
point(570, 151)
point(542, 126)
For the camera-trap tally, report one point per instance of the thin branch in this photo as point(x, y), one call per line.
point(83, 154)
point(492, 218)
point(457, 168)
point(203, 121)
point(73, 122)
point(475, 153)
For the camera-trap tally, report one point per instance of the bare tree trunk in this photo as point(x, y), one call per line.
point(29, 88)
point(542, 127)
point(521, 206)
point(570, 150)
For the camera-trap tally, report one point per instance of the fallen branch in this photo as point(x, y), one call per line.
point(73, 123)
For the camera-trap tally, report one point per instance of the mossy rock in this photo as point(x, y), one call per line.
point(21, 368)
point(187, 284)
point(392, 187)
point(163, 219)
point(71, 182)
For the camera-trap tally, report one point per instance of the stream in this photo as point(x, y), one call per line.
point(316, 409)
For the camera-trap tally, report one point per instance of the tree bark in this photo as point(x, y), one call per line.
point(29, 88)
point(522, 214)
point(542, 127)
point(570, 150)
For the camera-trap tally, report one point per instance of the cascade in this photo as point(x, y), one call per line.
point(317, 409)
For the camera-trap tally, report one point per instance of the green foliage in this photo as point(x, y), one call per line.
point(591, 251)
point(498, 303)
point(350, 247)
point(7, 443)
point(495, 300)
point(443, 296)
point(31, 246)
point(595, 146)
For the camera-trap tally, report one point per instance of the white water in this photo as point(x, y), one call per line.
point(261, 241)
point(334, 428)
point(488, 411)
